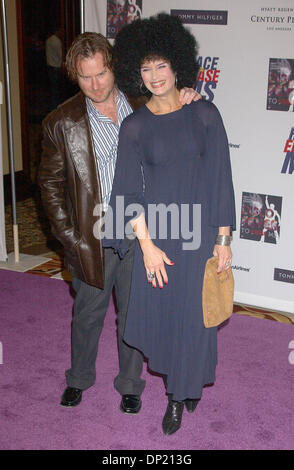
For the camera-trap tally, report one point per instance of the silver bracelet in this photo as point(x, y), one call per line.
point(224, 240)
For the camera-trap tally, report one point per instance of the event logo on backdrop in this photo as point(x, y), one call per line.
point(121, 12)
point(208, 76)
point(241, 268)
point(280, 92)
point(288, 165)
point(261, 217)
point(274, 18)
point(215, 17)
point(284, 275)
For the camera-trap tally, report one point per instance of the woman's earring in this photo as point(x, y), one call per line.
point(176, 81)
point(141, 88)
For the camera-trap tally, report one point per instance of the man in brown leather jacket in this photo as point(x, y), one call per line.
point(76, 171)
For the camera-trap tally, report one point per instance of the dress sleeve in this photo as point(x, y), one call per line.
point(127, 197)
point(222, 199)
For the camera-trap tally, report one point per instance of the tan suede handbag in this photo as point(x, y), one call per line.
point(217, 294)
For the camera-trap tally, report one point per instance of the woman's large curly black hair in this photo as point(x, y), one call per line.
point(160, 36)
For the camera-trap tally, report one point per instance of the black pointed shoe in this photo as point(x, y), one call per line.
point(191, 404)
point(71, 397)
point(130, 404)
point(172, 419)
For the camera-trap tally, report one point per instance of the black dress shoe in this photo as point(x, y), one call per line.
point(172, 419)
point(191, 404)
point(130, 404)
point(71, 397)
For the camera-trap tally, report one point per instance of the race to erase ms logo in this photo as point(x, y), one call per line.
point(208, 76)
point(288, 165)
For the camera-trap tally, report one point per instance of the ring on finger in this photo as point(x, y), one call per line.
point(228, 263)
point(151, 276)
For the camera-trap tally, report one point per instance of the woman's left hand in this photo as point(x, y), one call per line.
point(224, 254)
point(187, 95)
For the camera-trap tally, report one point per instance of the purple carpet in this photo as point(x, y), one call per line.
point(249, 407)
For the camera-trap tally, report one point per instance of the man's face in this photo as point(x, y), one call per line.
point(95, 79)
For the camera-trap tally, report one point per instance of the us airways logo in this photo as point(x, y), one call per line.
point(288, 165)
point(208, 77)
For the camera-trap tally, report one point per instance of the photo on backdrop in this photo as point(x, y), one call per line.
point(280, 93)
point(261, 217)
point(121, 12)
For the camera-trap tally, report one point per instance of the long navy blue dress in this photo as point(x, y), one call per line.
point(179, 160)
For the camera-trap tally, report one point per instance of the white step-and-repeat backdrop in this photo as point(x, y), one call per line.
point(247, 70)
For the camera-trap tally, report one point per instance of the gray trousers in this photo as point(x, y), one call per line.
point(90, 307)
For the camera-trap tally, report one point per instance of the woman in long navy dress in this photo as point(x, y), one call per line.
point(173, 163)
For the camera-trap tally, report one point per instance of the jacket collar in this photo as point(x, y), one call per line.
point(74, 109)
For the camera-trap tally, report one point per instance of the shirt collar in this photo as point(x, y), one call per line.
point(94, 112)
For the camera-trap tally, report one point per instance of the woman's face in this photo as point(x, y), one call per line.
point(158, 77)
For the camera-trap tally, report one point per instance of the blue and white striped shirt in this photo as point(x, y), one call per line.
point(105, 137)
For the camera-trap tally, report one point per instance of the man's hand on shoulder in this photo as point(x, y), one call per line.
point(187, 95)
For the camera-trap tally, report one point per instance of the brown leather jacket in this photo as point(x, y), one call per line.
point(70, 188)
